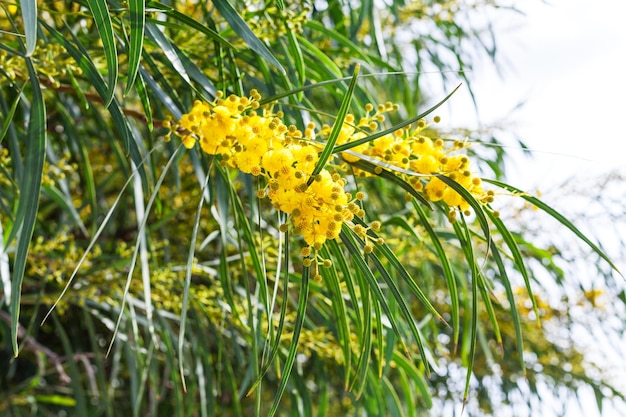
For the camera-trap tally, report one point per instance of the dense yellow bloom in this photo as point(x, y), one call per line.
point(411, 150)
point(262, 145)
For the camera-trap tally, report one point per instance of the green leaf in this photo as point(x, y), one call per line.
point(29, 14)
point(191, 23)
point(447, 272)
point(323, 62)
point(168, 49)
point(166, 99)
point(59, 400)
point(240, 27)
point(338, 125)
point(8, 118)
point(373, 166)
point(65, 202)
point(80, 55)
point(275, 345)
point(416, 377)
point(356, 255)
point(518, 260)
point(466, 244)
point(558, 216)
point(469, 198)
point(296, 55)
point(395, 127)
point(504, 278)
point(196, 74)
point(140, 246)
point(78, 392)
point(366, 343)
point(332, 280)
point(135, 47)
point(342, 41)
point(30, 190)
point(142, 93)
point(404, 308)
point(398, 267)
point(293, 347)
point(102, 19)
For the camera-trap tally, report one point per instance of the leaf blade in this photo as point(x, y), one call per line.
point(29, 14)
point(137, 30)
point(337, 126)
point(104, 26)
point(556, 215)
point(30, 190)
point(240, 27)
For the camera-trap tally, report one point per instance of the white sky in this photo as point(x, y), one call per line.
point(567, 61)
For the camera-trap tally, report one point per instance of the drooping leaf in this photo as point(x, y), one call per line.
point(102, 18)
point(555, 214)
point(293, 346)
point(241, 28)
point(137, 10)
point(334, 133)
point(29, 14)
point(30, 191)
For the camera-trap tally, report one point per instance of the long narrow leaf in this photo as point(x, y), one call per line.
point(78, 392)
point(29, 14)
point(293, 347)
point(102, 18)
point(331, 278)
point(463, 234)
point(188, 21)
point(80, 55)
point(517, 259)
point(447, 272)
point(240, 27)
point(373, 167)
point(8, 118)
point(334, 133)
point(504, 278)
point(279, 330)
point(30, 190)
point(141, 229)
point(342, 41)
point(349, 242)
point(397, 266)
point(469, 198)
point(395, 127)
point(558, 216)
point(416, 377)
point(404, 308)
point(166, 46)
point(366, 345)
point(135, 47)
point(187, 284)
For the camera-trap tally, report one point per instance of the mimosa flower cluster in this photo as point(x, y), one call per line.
point(257, 142)
point(412, 151)
point(262, 145)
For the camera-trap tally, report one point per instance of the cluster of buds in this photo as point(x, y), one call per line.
point(417, 157)
point(256, 141)
point(262, 145)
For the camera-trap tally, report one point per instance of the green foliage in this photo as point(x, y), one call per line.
point(138, 275)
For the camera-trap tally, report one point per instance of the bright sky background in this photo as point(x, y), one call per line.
point(567, 61)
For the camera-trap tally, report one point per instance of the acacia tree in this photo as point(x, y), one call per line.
point(248, 208)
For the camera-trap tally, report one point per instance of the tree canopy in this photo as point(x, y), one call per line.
point(252, 208)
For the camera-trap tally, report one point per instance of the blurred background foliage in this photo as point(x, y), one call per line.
point(162, 296)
